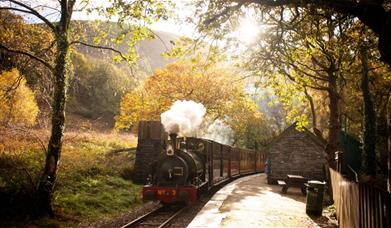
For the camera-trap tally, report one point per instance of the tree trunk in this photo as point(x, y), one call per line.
point(334, 125)
point(313, 114)
point(46, 185)
point(389, 143)
point(369, 138)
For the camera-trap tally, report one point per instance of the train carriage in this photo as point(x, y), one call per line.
point(235, 162)
point(217, 163)
point(247, 161)
point(225, 152)
point(260, 165)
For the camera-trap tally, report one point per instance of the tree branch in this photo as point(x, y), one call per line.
point(226, 11)
point(161, 40)
point(317, 87)
point(15, 9)
point(364, 10)
point(100, 47)
point(27, 54)
point(32, 11)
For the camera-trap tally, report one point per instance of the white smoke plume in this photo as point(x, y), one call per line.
point(219, 132)
point(183, 117)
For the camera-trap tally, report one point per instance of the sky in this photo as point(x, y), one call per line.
point(174, 25)
point(246, 32)
point(49, 8)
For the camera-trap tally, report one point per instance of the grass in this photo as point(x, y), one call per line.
point(96, 196)
point(92, 181)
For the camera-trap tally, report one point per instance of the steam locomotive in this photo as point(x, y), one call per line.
point(189, 166)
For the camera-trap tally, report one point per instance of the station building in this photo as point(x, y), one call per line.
point(296, 152)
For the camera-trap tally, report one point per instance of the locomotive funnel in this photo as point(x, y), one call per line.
point(173, 140)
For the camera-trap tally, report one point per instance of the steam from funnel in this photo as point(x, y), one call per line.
point(220, 132)
point(183, 117)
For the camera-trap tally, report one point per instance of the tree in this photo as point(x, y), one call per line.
point(40, 44)
point(214, 88)
point(96, 87)
point(218, 90)
point(373, 13)
point(373, 73)
point(136, 13)
point(251, 130)
point(309, 54)
point(17, 102)
point(369, 142)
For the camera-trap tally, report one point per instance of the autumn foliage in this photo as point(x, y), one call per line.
point(218, 90)
point(17, 101)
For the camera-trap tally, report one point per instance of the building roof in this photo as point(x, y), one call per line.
point(306, 131)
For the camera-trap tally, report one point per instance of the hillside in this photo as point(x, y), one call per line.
point(149, 50)
point(99, 83)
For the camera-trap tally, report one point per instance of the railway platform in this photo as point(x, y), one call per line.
point(251, 202)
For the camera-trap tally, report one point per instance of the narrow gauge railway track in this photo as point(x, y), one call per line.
point(160, 217)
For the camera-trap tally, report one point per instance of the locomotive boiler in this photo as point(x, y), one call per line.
point(177, 174)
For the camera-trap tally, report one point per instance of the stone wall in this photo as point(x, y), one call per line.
point(296, 152)
point(151, 141)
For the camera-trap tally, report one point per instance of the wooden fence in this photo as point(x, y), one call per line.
point(360, 205)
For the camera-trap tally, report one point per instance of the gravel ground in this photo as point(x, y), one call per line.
point(187, 216)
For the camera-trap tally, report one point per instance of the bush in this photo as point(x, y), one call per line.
point(97, 87)
point(17, 102)
point(91, 180)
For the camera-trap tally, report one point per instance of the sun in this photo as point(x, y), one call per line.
point(247, 31)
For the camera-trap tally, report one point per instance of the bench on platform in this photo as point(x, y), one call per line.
point(293, 181)
point(284, 186)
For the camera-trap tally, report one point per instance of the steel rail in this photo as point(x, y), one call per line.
point(142, 218)
point(164, 224)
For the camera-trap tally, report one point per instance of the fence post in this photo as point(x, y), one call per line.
point(339, 160)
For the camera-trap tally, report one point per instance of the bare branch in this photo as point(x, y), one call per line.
point(100, 47)
point(32, 11)
point(341, 5)
point(15, 9)
point(369, 12)
point(27, 54)
point(226, 11)
point(48, 7)
point(316, 87)
point(161, 40)
point(7, 91)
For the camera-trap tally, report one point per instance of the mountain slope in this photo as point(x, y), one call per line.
point(99, 83)
point(149, 50)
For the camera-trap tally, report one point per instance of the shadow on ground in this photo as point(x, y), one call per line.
point(278, 209)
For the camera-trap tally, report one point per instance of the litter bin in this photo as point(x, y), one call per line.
point(315, 190)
